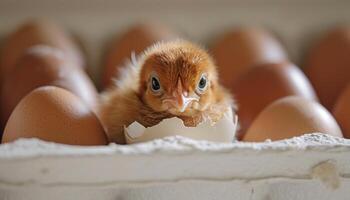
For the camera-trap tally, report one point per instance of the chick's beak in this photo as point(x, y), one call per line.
point(179, 102)
point(179, 99)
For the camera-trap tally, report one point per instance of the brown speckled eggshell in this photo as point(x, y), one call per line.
point(40, 66)
point(136, 39)
point(242, 49)
point(328, 65)
point(291, 117)
point(33, 33)
point(265, 84)
point(341, 111)
point(54, 114)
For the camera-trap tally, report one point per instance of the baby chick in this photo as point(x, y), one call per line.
point(175, 78)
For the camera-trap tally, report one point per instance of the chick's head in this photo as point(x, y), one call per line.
point(177, 77)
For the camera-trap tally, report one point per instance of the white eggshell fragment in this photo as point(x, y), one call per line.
point(223, 130)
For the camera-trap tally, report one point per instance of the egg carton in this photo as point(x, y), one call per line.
point(313, 166)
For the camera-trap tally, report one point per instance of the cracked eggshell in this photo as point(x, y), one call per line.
point(291, 117)
point(222, 131)
point(56, 115)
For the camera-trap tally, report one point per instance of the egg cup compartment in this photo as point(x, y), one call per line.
point(313, 166)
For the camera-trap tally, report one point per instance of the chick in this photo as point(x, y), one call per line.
point(175, 78)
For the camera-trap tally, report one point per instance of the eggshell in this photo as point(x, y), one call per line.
point(242, 49)
point(328, 65)
point(265, 84)
point(40, 66)
point(341, 111)
point(289, 117)
point(136, 39)
point(33, 33)
point(54, 114)
point(222, 131)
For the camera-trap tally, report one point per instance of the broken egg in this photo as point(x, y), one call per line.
point(221, 131)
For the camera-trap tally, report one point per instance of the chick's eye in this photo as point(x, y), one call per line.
point(202, 84)
point(155, 84)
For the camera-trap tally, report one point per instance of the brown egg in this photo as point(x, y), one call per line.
point(240, 50)
point(33, 33)
point(54, 114)
point(134, 40)
point(290, 117)
point(341, 111)
point(40, 66)
point(265, 84)
point(328, 65)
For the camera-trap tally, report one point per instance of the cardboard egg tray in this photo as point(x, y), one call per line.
point(308, 167)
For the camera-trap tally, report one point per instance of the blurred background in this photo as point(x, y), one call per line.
point(296, 23)
point(264, 51)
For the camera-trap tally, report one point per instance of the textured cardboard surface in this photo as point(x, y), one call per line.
point(308, 167)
